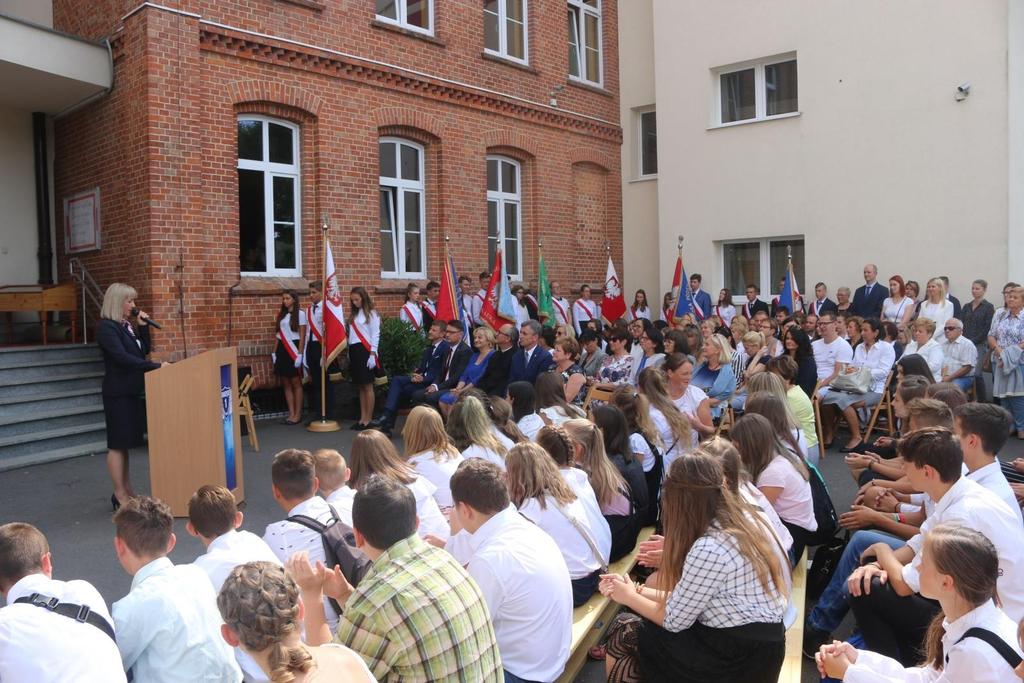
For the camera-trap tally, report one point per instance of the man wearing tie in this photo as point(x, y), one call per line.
point(425, 374)
point(530, 360)
point(868, 300)
point(452, 366)
point(753, 304)
point(821, 303)
point(313, 351)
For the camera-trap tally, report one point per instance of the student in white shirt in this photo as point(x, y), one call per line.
point(272, 640)
point(472, 432)
point(563, 309)
point(831, 351)
point(520, 571)
point(551, 403)
point(41, 646)
point(430, 453)
point(363, 342)
point(412, 310)
point(673, 427)
point(523, 398)
point(470, 299)
point(332, 475)
point(892, 617)
point(923, 344)
point(983, 429)
point(584, 309)
point(168, 628)
point(959, 569)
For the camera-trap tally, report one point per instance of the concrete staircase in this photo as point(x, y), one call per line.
point(50, 403)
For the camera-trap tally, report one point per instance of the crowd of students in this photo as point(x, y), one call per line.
point(462, 555)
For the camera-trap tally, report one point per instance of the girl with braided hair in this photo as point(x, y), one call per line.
point(262, 614)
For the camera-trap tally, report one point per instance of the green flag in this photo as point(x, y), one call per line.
point(545, 309)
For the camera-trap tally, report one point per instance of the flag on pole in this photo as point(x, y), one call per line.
point(507, 304)
point(545, 303)
point(684, 301)
point(491, 312)
point(677, 280)
point(449, 301)
point(790, 295)
point(613, 305)
point(335, 338)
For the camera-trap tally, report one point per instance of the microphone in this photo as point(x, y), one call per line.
point(148, 321)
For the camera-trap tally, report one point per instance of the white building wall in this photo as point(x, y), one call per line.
point(882, 164)
point(37, 11)
point(18, 239)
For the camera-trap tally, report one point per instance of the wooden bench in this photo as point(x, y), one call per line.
point(41, 299)
point(793, 664)
point(591, 620)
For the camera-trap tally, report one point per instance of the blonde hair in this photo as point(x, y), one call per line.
point(767, 383)
point(652, 385)
point(724, 348)
point(260, 602)
point(486, 333)
point(532, 473)
point(470, 425)
point(753, 338)
point(330, 468)
point(113, 301)
point(937, 281)
point(637, 410)
point(373, 453)
point(926, 324)
point(605, 478)
point(424, 431)
point(741, 323)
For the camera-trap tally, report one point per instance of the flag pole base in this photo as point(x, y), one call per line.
point(323, 425)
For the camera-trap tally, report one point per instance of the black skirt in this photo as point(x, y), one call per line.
point(752, 653)
point(126, 421)
point(357, 370)
point(284, 366)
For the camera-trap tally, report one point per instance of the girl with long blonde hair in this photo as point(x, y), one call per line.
point(472, 431)
point(429, 452)
point(673, 427)
point(644, 444)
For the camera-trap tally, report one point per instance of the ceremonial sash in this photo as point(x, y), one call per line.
point(311, 319)
point(533, 300)
point(561, 310)
point(718, 312)
point(289, 343)
point(746, 311)
point(632, 311)
point(412, 318)
point(362, 339)
point(431, 308)
point(583, 305)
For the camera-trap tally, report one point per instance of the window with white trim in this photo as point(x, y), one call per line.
point(761, 262)
point(415, 15)
point(402, 209)
point(756, 91)
point(504, 214)
point(269, 227)
point(585, 41)
point(647, 143)
point(505, 29)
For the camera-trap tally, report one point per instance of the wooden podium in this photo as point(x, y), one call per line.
point(194, 434)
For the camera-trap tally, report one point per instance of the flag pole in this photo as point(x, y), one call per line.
point(323, 424)
point(679, 256)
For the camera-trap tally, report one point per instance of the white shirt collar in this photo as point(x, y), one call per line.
point(27, 585)
point(309, 507)
point(493, 526)
point(158, 565)
point(982, 615)
point(224, 541)
point(955, 493)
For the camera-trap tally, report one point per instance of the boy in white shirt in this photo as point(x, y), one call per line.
point(831, 352)
point(168, 626)
point(43, 645)
point(983, 429)
point(332, 473)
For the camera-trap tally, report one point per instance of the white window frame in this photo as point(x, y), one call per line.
point(402, 186)
point(581, 9)
point(402, 7)
point(760, 93)
point(502, 50)
point(503, 198)
point(640, 175)
point(764, 265)
point(270, 171)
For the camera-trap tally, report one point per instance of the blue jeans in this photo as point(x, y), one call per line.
point(964, 383)
point(1015, 404)
point(828, 613)
point(512, 678)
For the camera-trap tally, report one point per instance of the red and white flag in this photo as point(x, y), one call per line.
point(613, 305)
point(335, 338)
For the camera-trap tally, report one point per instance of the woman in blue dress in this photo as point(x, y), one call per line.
point(483, 340)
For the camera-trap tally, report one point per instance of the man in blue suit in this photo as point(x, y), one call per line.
point(530, 360)
point(868, 300)
point(700, 297)
point(404, 386)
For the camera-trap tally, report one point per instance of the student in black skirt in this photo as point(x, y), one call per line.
point(291, 340)
point(363, 361)
point(125, 347)
point(718, 615)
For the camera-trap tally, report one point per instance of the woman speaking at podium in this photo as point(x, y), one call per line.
point(125, 346)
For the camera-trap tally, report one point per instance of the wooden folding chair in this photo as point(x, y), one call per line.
point(598, 392)
point(245, 411)
point(727, 419)
point(816, 402)
point(885, 403)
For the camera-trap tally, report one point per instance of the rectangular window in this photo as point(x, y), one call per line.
point(504, 214)
point(761, 262)
point(269, 235)
point(415, 15)
point(648, 143)
point(584, 21)
point(505, 32)
point(756, 91)
point(402, 209)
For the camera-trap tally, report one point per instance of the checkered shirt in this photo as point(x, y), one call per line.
point(719, 588)
point(417, 616)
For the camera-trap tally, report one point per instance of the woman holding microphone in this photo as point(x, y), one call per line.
point(125, 347)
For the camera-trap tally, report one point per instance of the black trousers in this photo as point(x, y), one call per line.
point(893, 625)
point(752, 653)
point(313, 352)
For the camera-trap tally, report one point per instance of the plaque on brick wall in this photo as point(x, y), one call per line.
point(82, 221)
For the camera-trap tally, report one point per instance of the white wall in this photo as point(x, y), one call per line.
point(882, 164)
point(18, 240)
point(36, 11)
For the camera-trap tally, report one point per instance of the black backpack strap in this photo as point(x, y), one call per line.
point(80, 613)
point(310, 523)
point(997, 643)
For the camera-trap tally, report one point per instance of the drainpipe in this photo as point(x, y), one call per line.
point(42, 176)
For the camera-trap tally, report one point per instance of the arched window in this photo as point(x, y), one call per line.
point(269, 225)
point(402, 209)
point(505, 213)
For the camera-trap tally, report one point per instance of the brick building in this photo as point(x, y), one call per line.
point(234, 126)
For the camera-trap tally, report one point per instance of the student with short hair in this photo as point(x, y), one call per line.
point(983, 429)
point(168, 628)
point(417, 616)
point(332, 475)
point(40, 645)
point(430, 453)
point(520, 572)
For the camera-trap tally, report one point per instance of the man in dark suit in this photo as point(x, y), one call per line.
point(403, 387)
point(821, 303)
point(530, 360)
point(753, 304)
point(453, 364)
point(495, 379)
point(868, 300)
point(700, 297)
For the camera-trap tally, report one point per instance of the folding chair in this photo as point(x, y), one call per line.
point(598, 392)
point(884, 403)
point(245, 411)
point(727, 419)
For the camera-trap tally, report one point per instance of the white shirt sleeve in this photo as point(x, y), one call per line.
point(491, 585)
point(871, 667)
point(134, 630)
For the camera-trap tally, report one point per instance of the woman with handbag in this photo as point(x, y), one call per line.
point(862, 384)
point(363, 362)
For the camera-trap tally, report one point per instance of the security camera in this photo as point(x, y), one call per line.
point(962, 91)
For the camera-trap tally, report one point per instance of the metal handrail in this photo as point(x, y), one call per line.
point(90, 288)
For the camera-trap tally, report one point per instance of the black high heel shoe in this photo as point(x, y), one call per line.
point(114, 502)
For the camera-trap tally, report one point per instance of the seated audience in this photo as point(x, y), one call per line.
point(430, 453)
point(617, 366)
point(714, 375)
point(520, 572)
point(644, 443)
point(530, 361)
point(675, 341)
point(332, 475)
point(504, 428)
point(494, 381)
point(983, 429)
point(551, 404)
point(959, 356)
point(453, 364)
point(688, 399)
point(592, 357)
point(797, 345)
point(716, 614)
point(483, 341)
point(853, 330)
point(673, 427)
point(43, 645)
point(523, 398)
point(923, 344)
point(472, 432)
point(831, 353)
point(770, 403)
point(652, 345)
point(799, 403)
point(913, 365)
point(566, 355)
point(403, 387)
point(262, 615)
point(168, 628)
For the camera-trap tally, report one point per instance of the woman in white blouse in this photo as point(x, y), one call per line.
point(923, 343)
point(959, 569)
point(936, 307)
point(898, 308)
point(363, 338)
point(689, 399)
point(673, 427)
point(430, 453)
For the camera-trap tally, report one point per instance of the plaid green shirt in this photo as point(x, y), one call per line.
point(418, 616)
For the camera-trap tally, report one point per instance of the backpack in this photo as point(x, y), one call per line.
point(824, 511)
point(823, 566)
point(339, 549)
